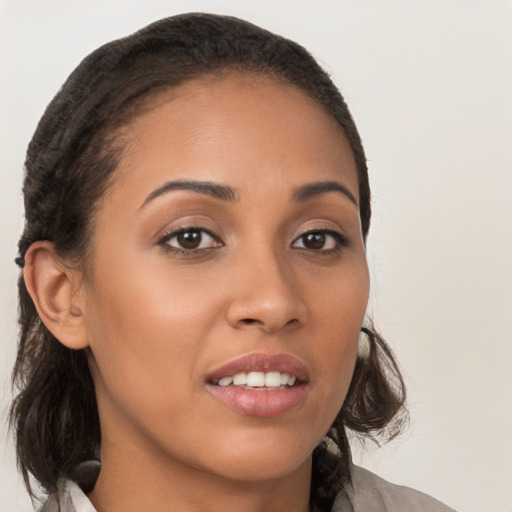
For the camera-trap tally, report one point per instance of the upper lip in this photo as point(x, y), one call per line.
point(283, 363)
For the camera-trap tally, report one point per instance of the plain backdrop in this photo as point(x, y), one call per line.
point(430, 86)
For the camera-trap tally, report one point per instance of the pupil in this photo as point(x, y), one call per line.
point(189, 239)
point(314, 240)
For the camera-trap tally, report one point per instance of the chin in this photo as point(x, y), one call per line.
point(262, 456)
point(245, 470)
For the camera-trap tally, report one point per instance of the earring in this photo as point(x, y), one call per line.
point(363, 347)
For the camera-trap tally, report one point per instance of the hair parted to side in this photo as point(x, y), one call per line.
point(71, 162)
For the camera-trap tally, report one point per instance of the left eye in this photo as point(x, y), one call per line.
point(319, 241)
point(191, 239)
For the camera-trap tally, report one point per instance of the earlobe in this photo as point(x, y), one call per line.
point(54, 289)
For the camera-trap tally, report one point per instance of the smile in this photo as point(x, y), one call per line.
point(259, 380)
point(261, 385)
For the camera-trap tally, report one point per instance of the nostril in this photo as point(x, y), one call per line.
point(248, 321)
point(254, 321)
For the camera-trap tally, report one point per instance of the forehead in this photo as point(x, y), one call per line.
point(243, 128)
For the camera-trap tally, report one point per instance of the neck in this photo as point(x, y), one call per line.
point(134, 479)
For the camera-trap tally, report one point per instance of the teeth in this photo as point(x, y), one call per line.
point(272, 379)
point(259, 380)
point(240, 379)
point(225, 381)
point(256, 379)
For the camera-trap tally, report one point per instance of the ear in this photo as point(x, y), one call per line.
point(55, 291)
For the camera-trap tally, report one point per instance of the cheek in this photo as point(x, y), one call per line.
point(339, 312)
point(146, 334)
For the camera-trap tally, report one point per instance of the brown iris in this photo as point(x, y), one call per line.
point(314, 240)
point(189, 239)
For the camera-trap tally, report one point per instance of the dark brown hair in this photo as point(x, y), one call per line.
point(70, 163)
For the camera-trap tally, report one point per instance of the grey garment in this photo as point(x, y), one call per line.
point(68, 498)
point(369, 493)
point(71, 494)
point(366, 493)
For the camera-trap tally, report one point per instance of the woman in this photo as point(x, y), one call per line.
point(195, 283)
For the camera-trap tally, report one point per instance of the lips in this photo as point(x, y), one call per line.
point(282, 363)
point(249, 384)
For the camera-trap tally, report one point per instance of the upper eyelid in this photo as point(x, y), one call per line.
point(168, 235)
point(329, 230)
point(186, 226)
point(172, 232)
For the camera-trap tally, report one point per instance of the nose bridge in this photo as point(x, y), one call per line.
point(266, 295)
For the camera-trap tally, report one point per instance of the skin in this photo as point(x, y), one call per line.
point(158, 322)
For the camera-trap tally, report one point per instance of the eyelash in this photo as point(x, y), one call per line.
point(340, 240)
point(164, 241)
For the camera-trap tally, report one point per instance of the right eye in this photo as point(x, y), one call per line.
point(188, 240)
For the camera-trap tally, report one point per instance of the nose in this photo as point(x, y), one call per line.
point(266, 296)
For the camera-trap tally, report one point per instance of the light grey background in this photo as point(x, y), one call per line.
point(430, 86)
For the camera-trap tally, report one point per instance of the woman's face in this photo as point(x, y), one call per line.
point(229, 244)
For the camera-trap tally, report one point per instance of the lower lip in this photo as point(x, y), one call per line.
point(261, 403)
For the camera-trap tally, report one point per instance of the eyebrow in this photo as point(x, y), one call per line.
point(312, 190)
point(222, 192)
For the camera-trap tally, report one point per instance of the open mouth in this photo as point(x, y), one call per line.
point(261, 385)
point(259, 381)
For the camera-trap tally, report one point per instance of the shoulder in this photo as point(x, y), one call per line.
point(368, 492)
